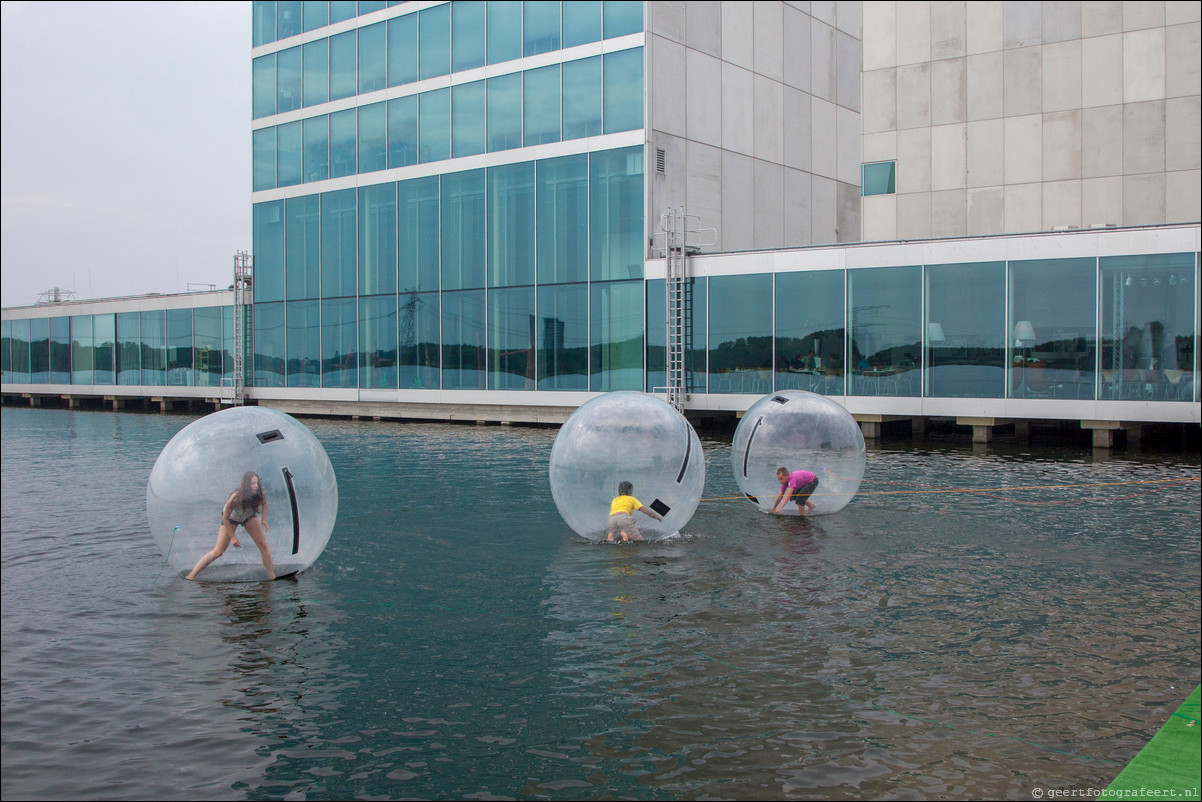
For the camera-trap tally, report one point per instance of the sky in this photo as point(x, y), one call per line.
point(126, 145)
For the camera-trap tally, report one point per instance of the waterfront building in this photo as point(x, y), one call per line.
point(459, 213)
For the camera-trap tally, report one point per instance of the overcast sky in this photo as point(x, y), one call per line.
point(126, 146)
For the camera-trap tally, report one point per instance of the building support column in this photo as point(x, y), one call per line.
point(117, 402)
point(1103, 431)
point(982, 428)
point(918, 427)
point(871, 429)
point(1022, 430)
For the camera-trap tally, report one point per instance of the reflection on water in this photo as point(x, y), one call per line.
point(976, 623)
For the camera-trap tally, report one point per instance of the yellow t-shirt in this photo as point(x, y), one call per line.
point(626, 504)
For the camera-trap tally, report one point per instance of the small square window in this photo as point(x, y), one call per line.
point(879, 178)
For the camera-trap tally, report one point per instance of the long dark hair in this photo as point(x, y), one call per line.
point(248, 497)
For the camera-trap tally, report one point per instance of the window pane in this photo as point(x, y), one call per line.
point(129, 348)
point(289, 154)
point(263, 83)
point(287, 18)
point(563, 219)
point(885, 304)
point(511, 350)
point(402, 131)
point(541, 26)
point(368, 6)
point(624, 90)
point(617, 336)
point(581, 22)
point(467, 119)
point(562, 332)
point(269, 338)
point(20, 351)
point(505, 112)
point(373, 58)
point(1053, 323)
point(541, 105)
point(179, 347)
point(967, 301)
point(809, 332)
point(82, 353)
point(339, 344)
point(582, 98)
point(206, 339)
point(342, 10)
point(317, 72)
point(343, 65)
point(419, 341)
point(338, 244)
point(468, 42)
point(616, 214)
point(504, 30)
point(373, 137)
point(740, 358)
point(304, 344)
point(104, 339)
point(288, 80)
point(343, 151)
point(154, 348)
point(623, 17)
point(263, 22)
point(880, 178)
point(402, 50)
point(511, 225)
point(462, 230)
point(263, 145)
point(1148, 336)
point(377, 240)
point(60, 350)
point(434, 50)
point(417, 236)
point(434, 121)
point(378, 342)
point(463, 340)
point(317, 148)
point(269, 251)
point(317, 14)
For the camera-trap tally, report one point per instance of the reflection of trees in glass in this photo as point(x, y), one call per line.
point(742, 353)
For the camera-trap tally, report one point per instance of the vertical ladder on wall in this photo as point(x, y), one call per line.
point(678, 294)
point(243, 280)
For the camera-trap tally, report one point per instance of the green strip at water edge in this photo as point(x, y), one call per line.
point(1169, 767)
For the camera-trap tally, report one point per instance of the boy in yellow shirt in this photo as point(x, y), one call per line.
point(621, 520)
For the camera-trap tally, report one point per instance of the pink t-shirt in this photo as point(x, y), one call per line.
point(798, 480)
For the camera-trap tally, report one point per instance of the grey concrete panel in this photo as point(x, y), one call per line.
point(949, 32)
point(914, 216)
point(880, 37)
point(1101, 18)
point(822, 61)
point(824, 219)
point(703, 27)
point(985, 211)
point(738, 33)
point(913, 161)
point(797, 129)
point(986, 154)
point(1143, 137)
point(1143, 65)
point(949, 91)
point(985, 97)
point(738, 104)
point(1140, 16)
point(880, 100)
point(1061, 204)
point(913, 33)
point(769, 121)
point(1062, 145)
point(879, 147)
point(666, 18)
point(668, 189)
point(1061, 21)
point(1102, 201)
point(1182, 57)
point(738, 202)
point(849, 18)
point(949, 213)
point(984, 29)
point(1023, 81)
point(847, 205)
point(1143, 199)
point(914, 96)
point(1022, 24)
point(1182, 125)
point(703, 90)
point(769, 39)
point(824, 11)
point(1062, 76)
point(847, 133)
point(1183, 201)
point(1024, 151)
point(1178, 12)
point(1101, 143)
point(824, 139)
point(879, 218)
point(796, 49)
point(949, 157)
point(1102, 71)
point(769, 205)
point(1023, 208)
point(668, 86)
point(798, 206)
point(847, 71)
point(704, 192)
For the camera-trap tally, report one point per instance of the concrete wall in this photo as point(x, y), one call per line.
point(756, 108)
point(1011, 117)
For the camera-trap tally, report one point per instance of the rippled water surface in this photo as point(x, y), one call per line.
point(976, 623)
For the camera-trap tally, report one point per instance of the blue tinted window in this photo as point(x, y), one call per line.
point(511, 343)
point(373, 137)
point(154, 348)
point(344, 127)
point(563, 219)
point(263, 147)
point(39, 352)
point(317, 14)
point(402, 131)
point(269, 251)
point(463, 351)
point(504, 30)
point(581, 22)
point(462, 229)
point(885, 306)
point(616, 336)
point(511, 225)
point(303, 344)
point(582, 98)
point(289, 161)
point(262, 22)
point(968, 301)
point(417, 234)
point(624, 90)
point(377, 239)
point(269, 337)
point(402, 50)
point(468, 131)
point(104, 336)
point(541, 27)
point(623, 17)
point(418, 340)
point(302, 236)
point(287, 18)
point(339, 344)
point(740, 334)
point(434, 48)
point(368, 6)
point(541, 105)
point(434, 122)
point(810, 331)
point(879, 178)
point(317, 72)
point(179, 348)
point(373, 58)
point(206, 340)
point(129, 348)
point(338, 234)
point(1053, 327)
point(505, 112)
point(60, 350)
point(263, 83)
point(81, 350)
point(317, 148)
point(341, 10)
point(616, 214)
point(378, 342)
point(288, 80)
point(561, 332)
point(468, 42)
point(344, 50)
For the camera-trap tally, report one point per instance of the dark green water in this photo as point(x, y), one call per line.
point(924, 643)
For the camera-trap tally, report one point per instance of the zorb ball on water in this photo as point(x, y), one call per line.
point(204, 463)
point(797, 430)
point(626, 437)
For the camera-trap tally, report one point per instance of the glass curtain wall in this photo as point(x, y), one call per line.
point(885, 315)
point(563, 337)
point(39, 350)
point(82, 350)
point(965, 308)
point(1053, 318)
point(740, 356)
point(207, 345)
point(179, 348)
point(60, 350)
point(810, 332)
point(696, 333)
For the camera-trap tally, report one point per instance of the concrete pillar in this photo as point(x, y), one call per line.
point(1022, 430)
point(1103, 432)
point(1135, 433)
point(982, 434)
point(918, 427)
point(34, 401)
point(117, 402)
point(871, 429)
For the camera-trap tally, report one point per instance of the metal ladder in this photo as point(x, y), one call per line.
point(678, 294)
point(243, 281)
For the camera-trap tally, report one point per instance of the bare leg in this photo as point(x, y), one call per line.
point(224, 534)
point(260, 539)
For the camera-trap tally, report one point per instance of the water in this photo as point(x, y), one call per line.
point(457, 641)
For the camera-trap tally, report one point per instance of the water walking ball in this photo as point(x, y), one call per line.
point(205, 462)
point(631, 437)
point(797, 430)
